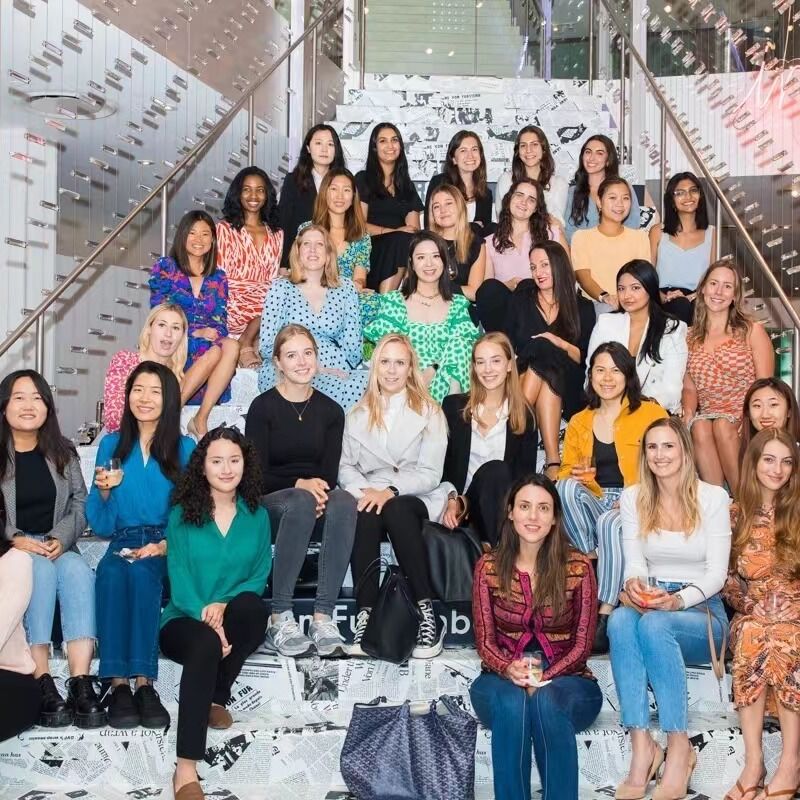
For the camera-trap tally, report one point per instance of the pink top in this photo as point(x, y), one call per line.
point(512, 263)
point(16, 585)
point(122, 364)
point(250, 271)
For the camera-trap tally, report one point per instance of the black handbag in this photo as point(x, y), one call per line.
point(452, 555)
point(390, 753)
point(391, 632)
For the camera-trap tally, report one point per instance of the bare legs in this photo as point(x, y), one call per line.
point(79, 657)
point(547, 405)
point(392, 282)
point(751, 719)
point(643, 751)
point(787, 775)
point(249, 357)
point(716, 445)
point(679, 752)
point(215, 368)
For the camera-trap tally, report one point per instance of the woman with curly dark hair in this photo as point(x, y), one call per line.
point(321, 151)
point(215, 618)
point(523, 220)
point(249, 245)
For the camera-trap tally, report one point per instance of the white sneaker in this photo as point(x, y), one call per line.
point(362, 618)
point(287, 639)
point(430, 637)
point(326, 637)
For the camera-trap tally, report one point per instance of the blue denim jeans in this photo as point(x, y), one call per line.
point(129, 606)
point(549, 719)
point(70, 579)
point(654, 648)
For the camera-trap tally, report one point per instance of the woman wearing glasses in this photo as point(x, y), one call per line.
point(684, 246)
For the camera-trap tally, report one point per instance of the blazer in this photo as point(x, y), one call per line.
point(483, 205)
point(663, 382)
point(69, 517)
point(414, 465)
point(294, 208)
point(520, 453)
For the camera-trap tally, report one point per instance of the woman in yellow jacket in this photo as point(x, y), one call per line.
point(600, 458)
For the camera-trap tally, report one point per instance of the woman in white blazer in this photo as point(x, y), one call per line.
point(654, 338)
point(393, 452)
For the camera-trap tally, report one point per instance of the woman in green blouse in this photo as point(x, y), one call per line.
point(435, 319)
point(219, 555)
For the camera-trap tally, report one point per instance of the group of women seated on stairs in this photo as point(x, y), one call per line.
point(382, 408)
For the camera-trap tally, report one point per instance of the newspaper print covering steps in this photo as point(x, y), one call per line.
point(290, 721)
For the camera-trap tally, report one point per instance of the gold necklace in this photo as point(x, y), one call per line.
point(292, 404)
point(429, 298)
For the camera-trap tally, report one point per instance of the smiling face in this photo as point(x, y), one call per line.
point(615, 204)
point(297, 360)
point(426, 261)
point(594, 157)
point(491, 365)
point(322, 149)
point(719, 290)
point(340, 194)
point(631, 294)
point(532, 514)
point(254, 194)
point(467, 157)
point(774, 466)
point(523, 203)
point(686, 196)
point(444, 210)
point(608, 380)
point(394, 367)
point(224, 465)
point(388, 146)
point(541, 271)
point(26, 410)
point(663, 451)
point(530, 149)
point(166, 333)
point(146, 398)
point(312, 251)
point(199, 241)
point(768, 409)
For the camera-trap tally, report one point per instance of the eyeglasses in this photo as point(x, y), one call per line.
point(681, 193)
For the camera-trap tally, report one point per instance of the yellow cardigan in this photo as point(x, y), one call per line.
point(628, 431)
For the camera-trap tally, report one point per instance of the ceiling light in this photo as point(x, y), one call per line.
point(767, 29)
point(667, 8)
point(428, 50)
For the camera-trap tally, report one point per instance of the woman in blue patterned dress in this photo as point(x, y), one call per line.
point(338, 210)
point(315, 296)
point(189, 278)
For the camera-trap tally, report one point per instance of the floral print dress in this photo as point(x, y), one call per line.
point(766, 654)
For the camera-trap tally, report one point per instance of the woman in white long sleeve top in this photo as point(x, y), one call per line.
point(675, 529)
point(654, 338)
point(393, 452)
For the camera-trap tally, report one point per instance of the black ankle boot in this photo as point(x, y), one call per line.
point(600, 646)
point(54, 712)
point(87, 711)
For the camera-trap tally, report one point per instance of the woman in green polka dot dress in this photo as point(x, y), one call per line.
point(435, 319)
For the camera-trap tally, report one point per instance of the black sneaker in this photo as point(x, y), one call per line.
point(54, 712)
point(87, 711)
point(120, 708)
point(151, 711)
point(430, 636)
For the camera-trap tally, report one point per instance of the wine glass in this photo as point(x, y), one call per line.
point(772, 603)
point(535, 667)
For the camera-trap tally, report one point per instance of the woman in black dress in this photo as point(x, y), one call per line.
point(549, 326)
point(391, 205)
point(320, 152)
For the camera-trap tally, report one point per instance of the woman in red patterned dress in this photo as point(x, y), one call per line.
point(249, 245)
point(727, 352)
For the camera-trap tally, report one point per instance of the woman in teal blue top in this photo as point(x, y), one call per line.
point(129, 502)
point(218, 558)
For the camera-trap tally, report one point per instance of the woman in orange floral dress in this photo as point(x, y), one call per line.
point(764, 589)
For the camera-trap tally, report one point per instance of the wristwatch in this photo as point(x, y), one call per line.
point(394, 490)
point(602, 295)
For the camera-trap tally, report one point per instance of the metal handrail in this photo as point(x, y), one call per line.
point(669, 114)
point(160, 189)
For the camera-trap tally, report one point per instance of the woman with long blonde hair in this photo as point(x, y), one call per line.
point(492, 438)
point(676, 538)
point(764, 589)
point(392, 457)
point(315, 296)
point(163, 339)
point(728, 350)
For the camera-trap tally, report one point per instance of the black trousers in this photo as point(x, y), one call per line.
point(402, 519)
point(491, 300)
point(208, 677)
point(680, 307)
point(20, 700)
point(486, 495)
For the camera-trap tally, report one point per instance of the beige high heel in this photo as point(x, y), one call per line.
point(663, 793)
point(627, 791)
